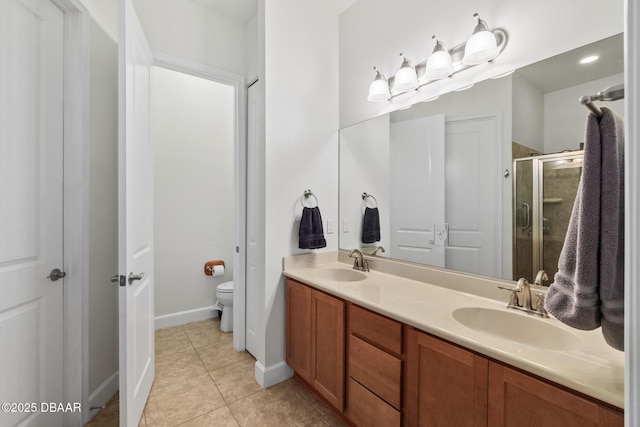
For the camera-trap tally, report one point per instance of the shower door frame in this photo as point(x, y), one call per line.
point(537, 222)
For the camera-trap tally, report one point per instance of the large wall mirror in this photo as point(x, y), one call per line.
point(452, 179)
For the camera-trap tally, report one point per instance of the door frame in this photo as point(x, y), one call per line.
point(237, 81)
point(76, 208)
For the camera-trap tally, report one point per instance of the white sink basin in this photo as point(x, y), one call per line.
point(339, 274)
point(517, 327)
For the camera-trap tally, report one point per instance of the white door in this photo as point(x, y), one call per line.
point(417, 200)
point(473, 207)
point(135, 216)
point(254, 280)
point(31, 211)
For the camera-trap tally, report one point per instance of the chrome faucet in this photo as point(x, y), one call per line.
point(540, 277)
point(359, 263)
point(524, 287)
point(378, 249)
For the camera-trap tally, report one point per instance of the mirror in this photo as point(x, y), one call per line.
point(442, 173)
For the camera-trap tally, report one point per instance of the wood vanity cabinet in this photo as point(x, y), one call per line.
point(516, 398)
point(445, 384)
point(315, 340)
point(374, 369)
point(397, 375)
point(449, 385)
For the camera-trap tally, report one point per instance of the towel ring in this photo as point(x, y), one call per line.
point(366, 196)
point(307, 194)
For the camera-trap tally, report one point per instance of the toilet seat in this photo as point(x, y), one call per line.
point(225, 288)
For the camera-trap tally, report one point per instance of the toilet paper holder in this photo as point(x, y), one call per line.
point(208, 266)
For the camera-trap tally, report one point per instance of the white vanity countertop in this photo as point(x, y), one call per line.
point(591, 367)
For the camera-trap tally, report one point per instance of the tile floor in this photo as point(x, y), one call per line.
point(201, 381)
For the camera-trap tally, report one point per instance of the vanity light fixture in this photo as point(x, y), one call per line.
point(463, 88)
point(482, 46)
point(501, 75)
point(433, 98)
point(439, 65)
point(406, 78)
point(379, 88)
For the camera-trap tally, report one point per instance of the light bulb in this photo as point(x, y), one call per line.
point(379, 88)
point(406, 78)
point(439, 64)
point(481, 46)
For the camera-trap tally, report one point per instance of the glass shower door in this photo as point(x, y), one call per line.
point(544, 192)
point(560, 179)
point(523, 248)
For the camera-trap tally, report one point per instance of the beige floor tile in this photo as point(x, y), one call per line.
point(279, 405)
point(171, 341)
point(220, 355)
point(178, 367)
point(236, 381)
point(208, 323)
point(182, 401)
point(330, 417)
point(220, 418)
point(206, 334)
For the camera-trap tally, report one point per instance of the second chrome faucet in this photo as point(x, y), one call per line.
point(359, 263)
point(524, 287)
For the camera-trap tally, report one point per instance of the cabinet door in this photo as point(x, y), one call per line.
point(519, 399)
point(327, 347)
point(298, 303)
point(446, 384)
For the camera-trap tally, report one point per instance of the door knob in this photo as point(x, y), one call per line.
point(118, 279)
point(56, 274)
point(134, 277)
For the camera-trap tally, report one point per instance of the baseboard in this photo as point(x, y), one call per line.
point(274, 374)
point(103, 394)
point(184, 317)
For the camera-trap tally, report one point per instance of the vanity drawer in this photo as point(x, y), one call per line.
point(367, 409)
point(381, 331)
point(378, 371)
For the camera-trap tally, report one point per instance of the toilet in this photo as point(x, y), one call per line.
point(224, 303)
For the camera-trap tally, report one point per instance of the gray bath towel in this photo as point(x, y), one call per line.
point(588, 289)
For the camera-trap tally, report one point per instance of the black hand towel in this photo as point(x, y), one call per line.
point(371, 225)
point(311, 231)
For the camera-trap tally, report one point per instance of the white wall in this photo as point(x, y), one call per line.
point(364, 167)
point(190, 31)
point(565, 120)
point(252, 40)
point(528, 114)
point(192, 129)
point(301, 140)
point(103, 213)
point(373, 32)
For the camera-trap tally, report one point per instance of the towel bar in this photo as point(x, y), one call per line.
point(366, 196)
point(307, 194)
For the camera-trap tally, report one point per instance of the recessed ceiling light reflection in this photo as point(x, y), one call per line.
point(589, 59)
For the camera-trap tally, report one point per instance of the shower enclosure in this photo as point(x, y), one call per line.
point(544, 190)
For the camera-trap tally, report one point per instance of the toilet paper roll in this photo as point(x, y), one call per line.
point(218, 270)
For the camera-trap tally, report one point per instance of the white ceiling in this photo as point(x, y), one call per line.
point(562, 71)
point(240, 10)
